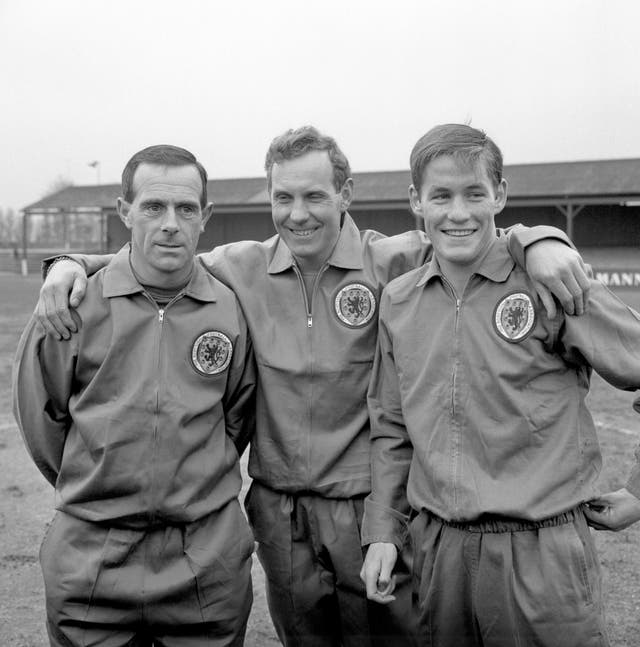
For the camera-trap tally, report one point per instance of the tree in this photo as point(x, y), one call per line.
point(60, 182)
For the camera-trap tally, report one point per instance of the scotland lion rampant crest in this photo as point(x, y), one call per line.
point(355, 305)
point(515, 316)
point(211, 353)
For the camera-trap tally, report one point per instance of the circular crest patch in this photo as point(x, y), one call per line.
point(355, 304)
point(211, 353)
point(515, 316)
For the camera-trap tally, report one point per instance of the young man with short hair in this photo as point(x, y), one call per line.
point(479, 428)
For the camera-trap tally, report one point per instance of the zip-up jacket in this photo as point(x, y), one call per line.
point(314, 354)
point(477, 401)
point(134, 419)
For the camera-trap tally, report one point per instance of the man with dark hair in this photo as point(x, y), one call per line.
point(310, 296)
point(479, 428)
point(138, 422)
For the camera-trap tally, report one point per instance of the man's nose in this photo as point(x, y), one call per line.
point(298, 211)
point(458, 211)
point(170, 221)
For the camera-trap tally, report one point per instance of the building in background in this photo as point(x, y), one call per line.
point(596, 202)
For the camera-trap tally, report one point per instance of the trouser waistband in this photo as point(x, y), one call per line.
point(494, 523)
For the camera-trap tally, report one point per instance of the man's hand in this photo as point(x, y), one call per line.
point(613, 511)
point(376, 572)
point(557, 269)
point(52, 309)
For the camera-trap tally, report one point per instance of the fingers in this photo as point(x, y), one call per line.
point(562, 272)
point(78, 291)
point(597, 519)
point(50, 312)
point(583, 276)
point(547, 300)
point(376, 573)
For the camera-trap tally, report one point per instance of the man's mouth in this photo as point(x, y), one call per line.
point(302, 233)
point(458, 233)
point(169, 245)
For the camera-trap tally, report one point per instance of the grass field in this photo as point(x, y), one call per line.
point(26, 504)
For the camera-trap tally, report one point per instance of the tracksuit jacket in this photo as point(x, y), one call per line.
point(479, 399)
point(135, 418)
point(314, 356)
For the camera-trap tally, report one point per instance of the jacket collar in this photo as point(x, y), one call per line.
point(495, 266)
point(346, 254)
point(119, 279)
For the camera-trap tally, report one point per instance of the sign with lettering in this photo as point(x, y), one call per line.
point(618, 278)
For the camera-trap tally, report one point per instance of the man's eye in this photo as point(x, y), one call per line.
point(187, 211)
point(154, 209)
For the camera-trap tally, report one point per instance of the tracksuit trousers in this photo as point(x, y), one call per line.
point(504, 583)
point(174, 585)
point(309, 547)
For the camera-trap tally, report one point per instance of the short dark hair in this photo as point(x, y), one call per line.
point(162, 155)
point(460, 141)
point(295, 143)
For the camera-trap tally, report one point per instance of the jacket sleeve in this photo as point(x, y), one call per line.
point(520, 237)
point(239, 398)
point(386, 508)
point(606, 338)
point(90, 262)
point(42, 382)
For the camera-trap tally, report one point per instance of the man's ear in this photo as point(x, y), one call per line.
point(346, 194)
point(206, 214)
point(501, 196)
point(123, 208)
point(415, 202)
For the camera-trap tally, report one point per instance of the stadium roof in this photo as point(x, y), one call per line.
point(612, 180)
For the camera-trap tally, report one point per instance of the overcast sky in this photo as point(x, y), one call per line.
point(87, 80)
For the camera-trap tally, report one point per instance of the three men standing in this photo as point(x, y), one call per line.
point(310, 295)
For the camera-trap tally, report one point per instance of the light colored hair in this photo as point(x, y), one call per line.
point(296, 143)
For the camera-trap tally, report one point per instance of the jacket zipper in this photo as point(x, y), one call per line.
point(161, 313)
point(308, 306)
point(455, 457)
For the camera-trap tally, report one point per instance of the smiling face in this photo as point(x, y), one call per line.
point(165, 219)
point(307, 208)
point(458, 202)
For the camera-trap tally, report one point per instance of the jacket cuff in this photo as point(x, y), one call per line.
point(381, 523)
point(50, 261)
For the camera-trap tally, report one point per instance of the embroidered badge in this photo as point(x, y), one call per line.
point(211, 353)
point(515, 316)
point(355, 305)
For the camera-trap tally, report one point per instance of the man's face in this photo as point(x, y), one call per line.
point(307, 208)
point(458, 202)
point(165, 219)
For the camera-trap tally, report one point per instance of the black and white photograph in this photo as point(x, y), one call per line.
point(319, 323)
